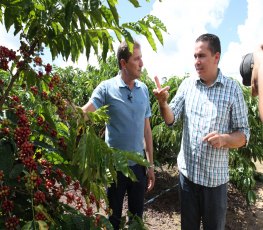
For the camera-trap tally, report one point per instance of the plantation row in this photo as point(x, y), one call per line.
point(48, 152)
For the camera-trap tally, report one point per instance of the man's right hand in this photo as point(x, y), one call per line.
point(160, 93)
point(162, 96)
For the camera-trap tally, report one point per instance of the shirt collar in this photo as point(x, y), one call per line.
point(219, 80)
point(122, 84)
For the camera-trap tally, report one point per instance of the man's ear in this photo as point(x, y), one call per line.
point(217, 56)
point(123, 63)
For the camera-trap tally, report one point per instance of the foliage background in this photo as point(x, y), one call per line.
point(47, 147)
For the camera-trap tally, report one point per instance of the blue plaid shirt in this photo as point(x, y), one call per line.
point(219, 107)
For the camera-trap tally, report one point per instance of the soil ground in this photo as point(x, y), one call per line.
point(162, 209)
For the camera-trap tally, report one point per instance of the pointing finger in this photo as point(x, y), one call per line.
point(157, 82)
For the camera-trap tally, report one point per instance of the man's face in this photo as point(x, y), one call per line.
point(134, 65)
point(205, 62)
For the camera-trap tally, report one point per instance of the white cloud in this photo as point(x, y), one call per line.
point(250, 35)
point(8, 39)
point(185, 21)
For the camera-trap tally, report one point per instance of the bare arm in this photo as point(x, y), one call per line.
point(260, 91)
point(148, 141)
point(232, 140)
point(166, 113)
point(257, 79)
point(149, 153)
point(89, 107)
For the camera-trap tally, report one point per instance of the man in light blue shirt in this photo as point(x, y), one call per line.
point(128, 129)
point(214, 119)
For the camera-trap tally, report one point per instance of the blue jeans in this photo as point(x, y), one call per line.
point(200, 203)
point(135, 192)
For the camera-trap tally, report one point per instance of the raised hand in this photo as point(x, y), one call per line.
point(160, 93)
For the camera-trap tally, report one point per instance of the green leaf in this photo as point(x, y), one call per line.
point(118, 34)
point(1, 15)
point(10, 115)
point(94, 5)
point(33, 30)
point(15, 172)
point(68, 13)
point(39, 6)
point(55, 158)
point(81, 155)
point(128, 38)
point(107, 14)
point(6, 156)
point(97, 18)
point(72, 221)
point(30, 77)
point(48, 117)
point(105, 47)
point(158, 34)
point(44, 145)
point(18, 27)
point(135, 3)
point(251, 195)
point(42, 225)
point(61, 127)
point(41, 209)
point(87, 46)
point(66, 46)
point(28, 225)
point(104, 221)
point(148, 35)
point(57, 28)
point(9, 17)
point(114, 11)
point(156, 21)
point(94, 41)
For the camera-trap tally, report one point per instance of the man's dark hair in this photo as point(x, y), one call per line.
point(213, 42)
point(246, 68)
point(124, 52)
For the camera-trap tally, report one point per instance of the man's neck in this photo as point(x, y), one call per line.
point(127, 80)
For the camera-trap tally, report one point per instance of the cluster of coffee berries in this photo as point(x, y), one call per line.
point(6, 55)
point(22, 132)
point(40, 216)
point(12, 223)
point(4, 130)
point(38, 60)
point(48, 68)
point(7, 205)
point(39, 197)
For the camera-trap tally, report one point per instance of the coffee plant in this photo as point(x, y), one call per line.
point(54, 165)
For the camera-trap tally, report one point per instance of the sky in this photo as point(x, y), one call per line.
point(238, 23)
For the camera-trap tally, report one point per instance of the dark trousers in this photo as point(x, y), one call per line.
point(135, 192)
point(200, 203)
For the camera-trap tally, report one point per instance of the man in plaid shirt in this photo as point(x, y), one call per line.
point(214, 120)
